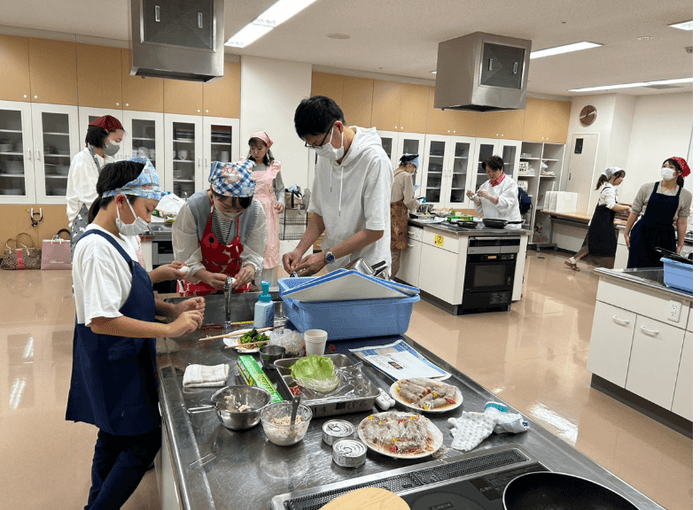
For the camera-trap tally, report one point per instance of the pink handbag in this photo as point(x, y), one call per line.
point(55, 252)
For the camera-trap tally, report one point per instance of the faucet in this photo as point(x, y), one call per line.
point(228, 288)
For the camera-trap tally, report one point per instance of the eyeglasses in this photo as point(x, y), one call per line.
point(314, 146)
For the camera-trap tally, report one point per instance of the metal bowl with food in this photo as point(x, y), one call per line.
point(237, 407)
point(276, 422)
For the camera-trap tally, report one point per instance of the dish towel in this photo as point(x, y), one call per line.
point(203, 376)
point(472, 428)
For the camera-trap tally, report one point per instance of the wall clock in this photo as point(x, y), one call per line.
point(588, 115)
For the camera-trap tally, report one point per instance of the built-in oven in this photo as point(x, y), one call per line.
point(489, 273)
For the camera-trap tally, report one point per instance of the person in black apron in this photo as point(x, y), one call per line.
point(113, 379)
point(101, 143)
point(655, 228)
point(601, 238)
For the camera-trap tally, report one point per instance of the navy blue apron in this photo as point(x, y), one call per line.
point(113, 383)
point(655, 229)
point(602, 237)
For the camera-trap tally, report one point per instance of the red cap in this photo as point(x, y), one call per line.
point(108, 123)
point(685, 169)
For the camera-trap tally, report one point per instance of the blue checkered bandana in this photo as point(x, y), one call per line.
point(232, 179)
point(146, 185)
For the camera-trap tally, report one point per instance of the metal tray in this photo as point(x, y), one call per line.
point(355, 392)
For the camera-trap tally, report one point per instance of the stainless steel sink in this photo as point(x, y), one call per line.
point(242, 306)
point(651, 274)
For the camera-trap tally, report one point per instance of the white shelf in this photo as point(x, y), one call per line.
point(10, 130)
point(55, 134)
point(548, 176)
point(183, 141)
point(13, 175)
point(142, 138)
point(550, 159)
point(526, 175)
point(530, 158)
point(11, 153)
point(184, 180)
point(56, 176)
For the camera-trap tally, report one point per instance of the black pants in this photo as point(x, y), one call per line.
point(118, 467)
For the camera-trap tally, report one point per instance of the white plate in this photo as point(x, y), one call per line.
point(234, 341)
point(393, 391)
point(434, 431)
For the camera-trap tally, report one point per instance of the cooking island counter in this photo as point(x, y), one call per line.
point(205, 466)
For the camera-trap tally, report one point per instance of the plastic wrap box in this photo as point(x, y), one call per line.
point(678, 275)
point(343, 320)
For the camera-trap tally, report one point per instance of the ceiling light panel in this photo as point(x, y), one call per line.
point(567, 48)
point(633, 85)
point(685, 25)
point(277, 14)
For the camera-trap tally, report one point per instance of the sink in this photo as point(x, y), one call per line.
point(651, 274)
point(242, 306)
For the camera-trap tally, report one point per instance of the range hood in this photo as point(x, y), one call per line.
point(482, 72)
point(177, 39)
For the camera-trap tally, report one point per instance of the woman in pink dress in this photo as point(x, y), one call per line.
point(269, 190)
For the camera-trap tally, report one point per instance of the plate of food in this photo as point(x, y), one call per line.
point(400, 435)
point(426, 395)
point(250, 337)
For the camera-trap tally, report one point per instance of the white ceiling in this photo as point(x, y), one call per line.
point(400, 37)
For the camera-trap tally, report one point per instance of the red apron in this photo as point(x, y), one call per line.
point(217, 258)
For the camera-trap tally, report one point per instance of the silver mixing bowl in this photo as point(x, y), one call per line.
point(255, 397)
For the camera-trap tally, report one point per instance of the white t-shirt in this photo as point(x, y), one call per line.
point(354, 196)
point(101, 276)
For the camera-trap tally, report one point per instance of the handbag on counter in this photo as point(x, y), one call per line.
point(20, 253)
point(55, 252)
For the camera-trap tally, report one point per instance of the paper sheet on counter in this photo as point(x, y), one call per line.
point(399, 361)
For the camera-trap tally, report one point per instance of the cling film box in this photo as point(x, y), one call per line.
point(254, 376)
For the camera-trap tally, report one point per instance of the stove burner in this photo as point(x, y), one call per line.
point(445, 501)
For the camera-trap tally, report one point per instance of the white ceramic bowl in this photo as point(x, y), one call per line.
point(182, 154)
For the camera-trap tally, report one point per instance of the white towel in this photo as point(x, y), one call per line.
point(472, 428)
point(205, 376)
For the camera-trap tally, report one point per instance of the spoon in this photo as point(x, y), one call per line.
point(295, 406)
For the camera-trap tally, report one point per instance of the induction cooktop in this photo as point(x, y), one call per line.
point(471, 481)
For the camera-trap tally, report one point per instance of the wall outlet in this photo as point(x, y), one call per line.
point(674, 311)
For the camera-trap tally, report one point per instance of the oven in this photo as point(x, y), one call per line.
point(489, 273)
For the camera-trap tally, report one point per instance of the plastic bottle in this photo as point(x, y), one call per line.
point(264, 308)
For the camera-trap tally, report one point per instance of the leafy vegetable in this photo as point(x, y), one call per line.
point(315, 372)
point(252, 336)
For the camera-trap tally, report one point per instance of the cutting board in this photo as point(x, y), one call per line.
point(367, 499)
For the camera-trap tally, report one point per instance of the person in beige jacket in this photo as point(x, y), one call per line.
point(402, 201)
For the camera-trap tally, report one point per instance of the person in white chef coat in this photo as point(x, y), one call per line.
point(497, 197)
point(350, 195)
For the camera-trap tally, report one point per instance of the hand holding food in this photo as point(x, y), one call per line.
point(197, 304)
point(185, 323)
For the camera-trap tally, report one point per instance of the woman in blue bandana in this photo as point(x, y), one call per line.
point(113, 382)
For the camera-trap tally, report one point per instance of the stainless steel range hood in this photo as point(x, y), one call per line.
point(177, 39)
point(482, 72)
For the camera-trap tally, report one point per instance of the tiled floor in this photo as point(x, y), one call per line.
point(533, 357)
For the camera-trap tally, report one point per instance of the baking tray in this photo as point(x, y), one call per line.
point(355, 392)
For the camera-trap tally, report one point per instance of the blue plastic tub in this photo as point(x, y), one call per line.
point(678, 275)
point(347, 319)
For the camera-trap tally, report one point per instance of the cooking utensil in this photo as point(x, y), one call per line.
point(239, 332)
point(467, 224)
point(271, 353)
point(295, 407)
point(561, 491)
point(498, 222)
point(227, 399)
point(673, 255)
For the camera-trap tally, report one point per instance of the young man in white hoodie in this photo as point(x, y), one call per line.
point(350, 194)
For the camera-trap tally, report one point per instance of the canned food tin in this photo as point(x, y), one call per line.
point(337, 429)
point(349, 453)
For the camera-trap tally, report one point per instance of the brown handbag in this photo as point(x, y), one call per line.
point(20, 253)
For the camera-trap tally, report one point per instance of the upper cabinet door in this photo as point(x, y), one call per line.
point(182, 97)
point(449, 122)
point(139, 93)
point(357, 101)
point(87, 115)
point(52, 72)
point(546, 120)
point(99, 76)
point(14, 62)
point(56, 141)
point(386, 105)
point(504, 124)
point(144, 138)
point(329, 85)
point(183, 154)
point(222, 97)
point(16, 154)
point(413, 114)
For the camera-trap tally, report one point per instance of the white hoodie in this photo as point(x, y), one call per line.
point(354, 196)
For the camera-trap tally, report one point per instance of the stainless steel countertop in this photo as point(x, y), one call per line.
point(220, 469)
point(652, 278)
point(508, 230)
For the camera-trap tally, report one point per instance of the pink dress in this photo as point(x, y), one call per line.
point(264, 191)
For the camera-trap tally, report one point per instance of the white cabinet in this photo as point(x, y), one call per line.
point(683, 395)
point(441, 266)
point(390, 143)
point(621, 251)
point(409, 270)
point(611, 342)
point(220, 143)
point(397, 144)
point(448, 169)
point(183, 154)
point(653, 367)
point(145, 137)
point(37, 142)
point(87, 115)
point(509, 150)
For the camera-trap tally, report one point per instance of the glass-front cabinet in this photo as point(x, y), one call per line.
point(220, 143)
point(436, 170)
point(183, 154)
point(390, 144)
point(144, 138)
point(448, 169)
point(509, 150)
point(88, 115)
point(16, 165)
point(413, 143)
point(55, 142)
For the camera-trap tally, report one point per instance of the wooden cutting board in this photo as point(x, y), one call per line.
point(367, 499)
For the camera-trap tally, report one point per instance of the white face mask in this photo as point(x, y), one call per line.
point(229, 216)
point(667, 174)
point(328, 151)
point(111, 148)
point(139, 225)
